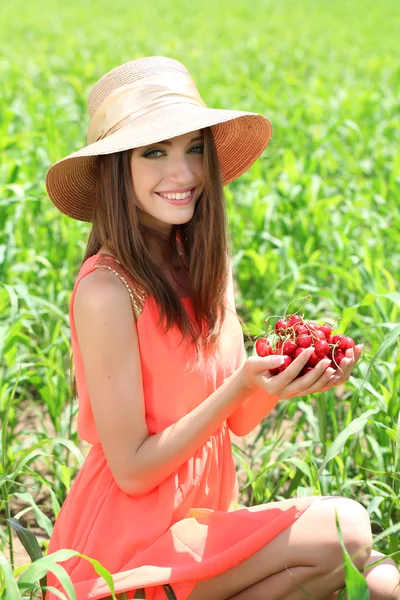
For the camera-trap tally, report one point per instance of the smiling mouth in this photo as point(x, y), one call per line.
point(178, 201)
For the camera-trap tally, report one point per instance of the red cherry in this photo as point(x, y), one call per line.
point(313, 360)
point(337, 358)
point(294, 319)
point(311, 325)
point(285, 347)
point(321, 335)
point(298, 352)
point(281, 327)
point(349, 342)
point(341, 342)
point(327, 329)
point(321, 348)
point(305, 370)
point(263, 347)
point(289, 347)
point(304, 341)
point(285, 365)
point(300, 329)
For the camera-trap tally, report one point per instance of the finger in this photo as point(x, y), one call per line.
point(283, 379)
point(354, 353)
point(321, 384)
point(260, 365)
point(296, 366)
point(308, 380)
point(347, 365)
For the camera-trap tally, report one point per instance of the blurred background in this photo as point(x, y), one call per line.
point(318, 214)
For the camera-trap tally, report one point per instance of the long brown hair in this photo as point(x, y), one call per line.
point(205, 240)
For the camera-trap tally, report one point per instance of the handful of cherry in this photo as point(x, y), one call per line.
point(293, 335)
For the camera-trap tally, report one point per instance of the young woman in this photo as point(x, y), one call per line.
point(161, 371)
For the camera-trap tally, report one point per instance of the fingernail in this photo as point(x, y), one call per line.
point(277, 361)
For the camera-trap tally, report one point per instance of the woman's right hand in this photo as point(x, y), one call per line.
point(256, 375)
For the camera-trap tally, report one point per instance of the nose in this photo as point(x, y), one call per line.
point(180, 170)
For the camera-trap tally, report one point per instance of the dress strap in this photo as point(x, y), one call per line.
point(137, 294)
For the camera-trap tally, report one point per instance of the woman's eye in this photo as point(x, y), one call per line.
point(151, 153)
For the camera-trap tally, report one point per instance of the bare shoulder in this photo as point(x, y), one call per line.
point(102, 293)
point(101, 284)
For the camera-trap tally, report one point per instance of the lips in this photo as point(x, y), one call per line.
point(182, 191)
point(177, 202)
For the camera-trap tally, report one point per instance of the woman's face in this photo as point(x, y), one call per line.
point(174, 166)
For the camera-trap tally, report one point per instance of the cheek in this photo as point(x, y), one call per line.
point(145, 178)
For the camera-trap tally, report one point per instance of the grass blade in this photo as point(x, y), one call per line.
point(356, 585)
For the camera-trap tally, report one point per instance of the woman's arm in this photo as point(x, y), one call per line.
point(257, 406)
point(161, 454)
point(251, 412)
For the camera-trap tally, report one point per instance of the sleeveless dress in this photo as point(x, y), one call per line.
point(189, 527)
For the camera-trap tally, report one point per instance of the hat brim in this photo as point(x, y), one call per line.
point(240, 138)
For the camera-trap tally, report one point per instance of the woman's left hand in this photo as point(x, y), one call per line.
point(347, 364)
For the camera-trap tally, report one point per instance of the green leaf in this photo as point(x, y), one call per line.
point(387, 532)
point(27, 539)
point(388, 341)
point(11, 585)
point(356, 585)
point(303, 492)
point(393, 296)
point(300, 464)
point(397, 446)
point(337, 446)
point(50, 563)
point(41, 518)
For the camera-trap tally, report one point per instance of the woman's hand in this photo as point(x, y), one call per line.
point(342, 374)
point(256, 373)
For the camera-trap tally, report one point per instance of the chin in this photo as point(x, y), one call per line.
point(182, 219)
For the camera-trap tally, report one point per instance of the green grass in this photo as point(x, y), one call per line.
point(317, 214)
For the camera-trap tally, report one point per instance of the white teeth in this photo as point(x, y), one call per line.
point(176, 196)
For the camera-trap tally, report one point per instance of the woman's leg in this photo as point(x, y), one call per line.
point(305, 553)
point(383, 579)
point(383, 582)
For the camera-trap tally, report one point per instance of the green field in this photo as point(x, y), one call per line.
point(318, 214)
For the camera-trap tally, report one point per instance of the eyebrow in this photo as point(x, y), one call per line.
point(168, 143)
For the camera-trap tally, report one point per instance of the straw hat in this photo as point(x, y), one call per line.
point(141, 102)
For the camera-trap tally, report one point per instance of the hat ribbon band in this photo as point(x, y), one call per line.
point(128, 102)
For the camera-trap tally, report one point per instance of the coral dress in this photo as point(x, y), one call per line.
point(189, 527)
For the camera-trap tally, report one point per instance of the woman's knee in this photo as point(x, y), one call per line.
point(355, 527)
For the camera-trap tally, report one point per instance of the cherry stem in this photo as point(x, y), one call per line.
point(295, 300)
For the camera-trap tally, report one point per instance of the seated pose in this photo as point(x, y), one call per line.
point(161, 371)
